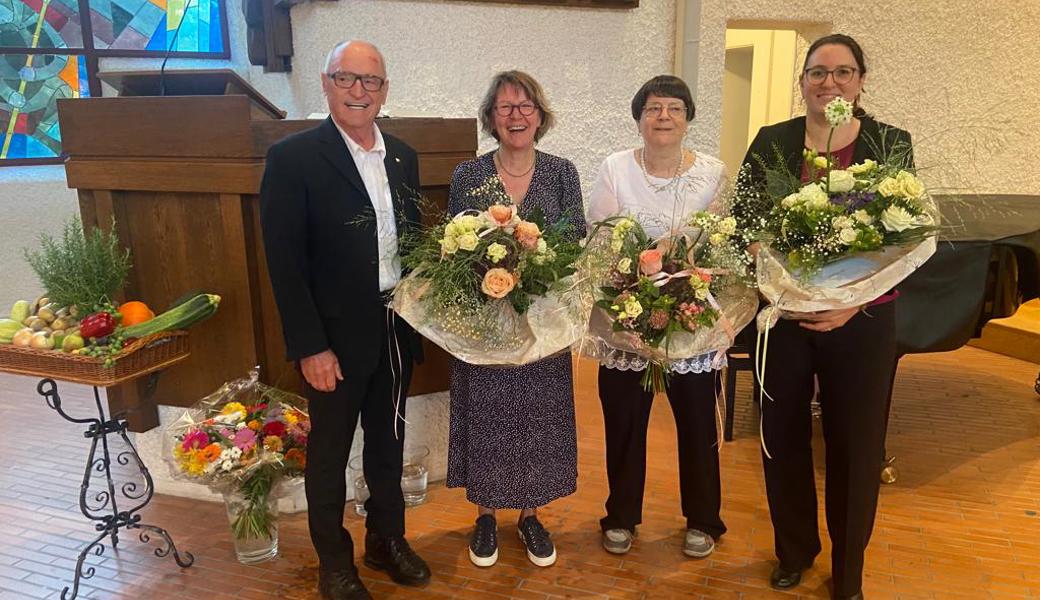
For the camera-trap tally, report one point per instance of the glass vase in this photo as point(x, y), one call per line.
point(254, 526)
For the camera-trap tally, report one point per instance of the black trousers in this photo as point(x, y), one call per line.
point(626, 415)
point(853, 365)
point(334, 417)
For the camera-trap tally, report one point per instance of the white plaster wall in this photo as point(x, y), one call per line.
point(959, 75)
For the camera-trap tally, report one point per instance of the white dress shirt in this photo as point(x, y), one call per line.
point(373, 173)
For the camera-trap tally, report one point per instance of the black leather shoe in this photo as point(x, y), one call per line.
point(396, 557)
point(341, 584)
point(783, 579)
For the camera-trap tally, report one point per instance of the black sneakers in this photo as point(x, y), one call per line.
point(483, 544)
point(540, 549)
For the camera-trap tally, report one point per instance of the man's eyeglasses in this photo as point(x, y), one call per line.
point(506, 109)
point(675, 111)
point(842, 75)
point(346, 79)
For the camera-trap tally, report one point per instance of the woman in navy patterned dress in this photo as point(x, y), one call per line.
point(512, 441)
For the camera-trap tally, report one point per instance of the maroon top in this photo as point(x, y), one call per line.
point(842, 158)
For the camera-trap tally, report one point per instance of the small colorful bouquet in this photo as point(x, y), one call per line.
point(246, 439)
point(679, 297)
point(846, 236)
point(492, 288)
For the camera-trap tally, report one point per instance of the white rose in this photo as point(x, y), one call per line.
point(841, 222)
point(814, 197)
point(468, 222)
point(624, 265)
point(791, 200)
point(848, 236)
point(450, 245)
point(468, 241)
point(728, 226)
point(890, 187)
point(897, 218)
point(841, 181)
point(717, 239)
point(496, 252)
point(863, 217)
point(633, 308)
point(911, 185)
point(863, 167)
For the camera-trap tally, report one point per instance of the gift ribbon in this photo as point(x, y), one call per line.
point(761, 353)
point(393, 347)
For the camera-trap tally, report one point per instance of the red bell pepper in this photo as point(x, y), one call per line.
point(97, 325)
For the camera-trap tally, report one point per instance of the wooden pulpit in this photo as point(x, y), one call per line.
point(181, 177)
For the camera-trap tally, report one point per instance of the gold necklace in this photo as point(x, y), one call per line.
point(646, 175)
point(498, 162)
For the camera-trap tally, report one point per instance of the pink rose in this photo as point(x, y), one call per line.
point(497, 283)
point(650, 262)
point(527, 234)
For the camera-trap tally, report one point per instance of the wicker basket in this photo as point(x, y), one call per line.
point(142, 356)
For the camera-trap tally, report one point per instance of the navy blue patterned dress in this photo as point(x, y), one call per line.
point(511, 440)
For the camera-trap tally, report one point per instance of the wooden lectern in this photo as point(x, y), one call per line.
point(181, 176)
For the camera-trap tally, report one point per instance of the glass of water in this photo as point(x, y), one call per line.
point(414, 475)
point(356, 474)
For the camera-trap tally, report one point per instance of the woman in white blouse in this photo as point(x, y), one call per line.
point(659, 184)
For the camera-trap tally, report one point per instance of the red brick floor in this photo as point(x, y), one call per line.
point(961, 523)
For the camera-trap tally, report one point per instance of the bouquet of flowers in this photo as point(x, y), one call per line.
point(246, 438)
point(491, 288)
point(847, 235)
point(679, 297)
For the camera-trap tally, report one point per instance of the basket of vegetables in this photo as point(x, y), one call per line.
point(76, 333)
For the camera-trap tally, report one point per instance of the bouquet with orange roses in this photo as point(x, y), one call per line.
point(492, 288)
point(675, 298)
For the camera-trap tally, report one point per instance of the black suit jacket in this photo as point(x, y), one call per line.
point(788, 138)
point(319, 233)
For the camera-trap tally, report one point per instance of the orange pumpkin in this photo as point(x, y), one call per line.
point(135, 312)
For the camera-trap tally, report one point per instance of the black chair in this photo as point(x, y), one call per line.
point(740, 357)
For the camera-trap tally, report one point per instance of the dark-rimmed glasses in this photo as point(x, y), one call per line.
point(842, 75)
point(346, 79)
point(506, 109)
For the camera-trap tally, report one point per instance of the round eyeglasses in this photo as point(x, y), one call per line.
point(506, 109)
point(841, 75)
point(346, 79)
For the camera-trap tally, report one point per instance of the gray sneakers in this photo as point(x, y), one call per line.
point(617, 541)
point(697, 544)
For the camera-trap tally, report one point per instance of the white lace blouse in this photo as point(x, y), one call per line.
point(659, 205)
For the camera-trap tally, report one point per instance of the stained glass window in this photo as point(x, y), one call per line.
point(30, 85)
point(49, 49)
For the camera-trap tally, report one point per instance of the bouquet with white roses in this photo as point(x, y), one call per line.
point(492, 288)
point(844, 237)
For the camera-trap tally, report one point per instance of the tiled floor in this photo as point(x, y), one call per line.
point(963, 522)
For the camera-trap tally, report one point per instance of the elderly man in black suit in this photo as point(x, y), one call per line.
point(334, 200)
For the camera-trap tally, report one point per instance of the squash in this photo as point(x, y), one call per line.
point(182, 316)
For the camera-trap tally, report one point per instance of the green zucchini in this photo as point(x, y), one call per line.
point(182, 316)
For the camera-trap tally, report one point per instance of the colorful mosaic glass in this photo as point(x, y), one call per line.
point(30, 86)
point(150, 25)
point(22, 27)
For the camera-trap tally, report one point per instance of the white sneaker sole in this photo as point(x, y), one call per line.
point(623, 550)
point(483, 561)
point(539, 561)
point(696, 554)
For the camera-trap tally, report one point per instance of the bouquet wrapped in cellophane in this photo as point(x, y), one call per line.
point(491, 288)
point(245, 437)
point(845, 237)
point(683, 296)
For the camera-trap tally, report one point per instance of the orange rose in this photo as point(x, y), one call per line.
point(527, 234)
point(502, 214)
point(497, 283)
point(650, 262)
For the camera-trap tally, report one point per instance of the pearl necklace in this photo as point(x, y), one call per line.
point(646, 175)
point(498, 162)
